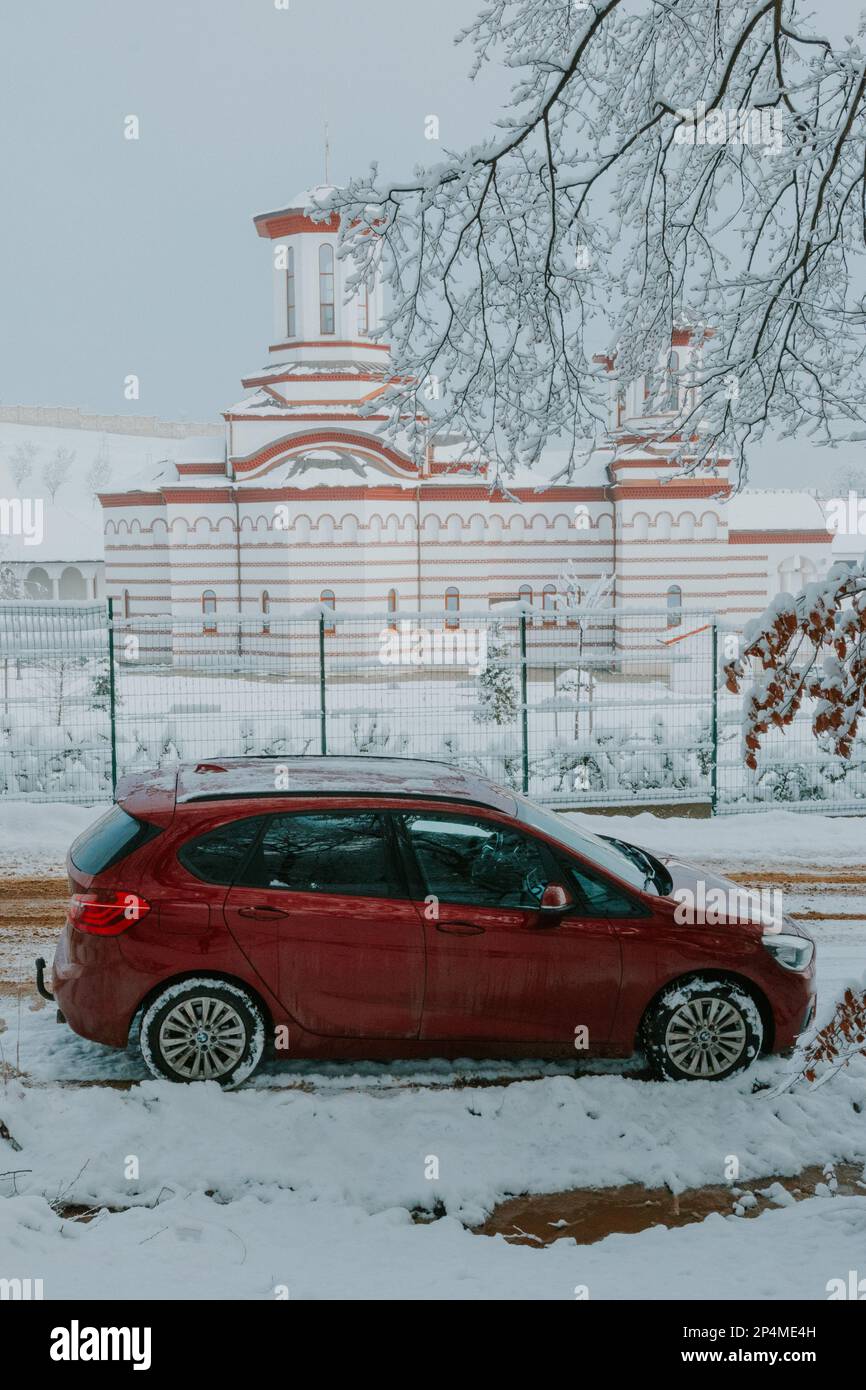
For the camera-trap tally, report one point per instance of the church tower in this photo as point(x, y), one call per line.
point(311, 289)
point(323, 368)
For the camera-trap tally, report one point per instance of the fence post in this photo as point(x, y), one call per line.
point(112, 696)
point(524, 712)
point(323, 713)
point(714, 718)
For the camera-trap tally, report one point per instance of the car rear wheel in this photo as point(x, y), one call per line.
point(702, 1030)
point(203, 1030)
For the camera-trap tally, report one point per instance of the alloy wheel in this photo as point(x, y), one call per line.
point(705, 1036)
point(202, 1038)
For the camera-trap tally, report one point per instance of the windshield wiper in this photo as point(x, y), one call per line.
point(656, 873)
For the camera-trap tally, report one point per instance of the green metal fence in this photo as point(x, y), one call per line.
point(577, 707)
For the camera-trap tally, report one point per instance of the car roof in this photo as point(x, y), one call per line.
point(311, 775)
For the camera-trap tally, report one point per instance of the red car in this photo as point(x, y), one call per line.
point(385, 907)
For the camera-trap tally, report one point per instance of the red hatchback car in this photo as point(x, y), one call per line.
point(385, 907)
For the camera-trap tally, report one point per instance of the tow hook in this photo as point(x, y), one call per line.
point(40, 980)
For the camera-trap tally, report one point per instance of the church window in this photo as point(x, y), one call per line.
point(548, 603)
point(266, 608)
point(672, 383)
point(452, 606)
point(209, 608)
point(328, 600)
point(327, 322)
point(291, 328)
point(675, 605)
point(363, 311)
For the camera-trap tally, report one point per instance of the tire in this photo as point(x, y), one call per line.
point(702, 1030)
point(203, 1030)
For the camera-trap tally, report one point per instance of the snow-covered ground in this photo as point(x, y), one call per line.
point(320, 1189)
point(274, 1244)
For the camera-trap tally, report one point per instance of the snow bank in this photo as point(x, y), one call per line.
point(280, 1246)
point(370, 1148)
point(34, 837)
point(766, 840)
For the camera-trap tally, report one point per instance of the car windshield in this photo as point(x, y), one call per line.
point(628, 863)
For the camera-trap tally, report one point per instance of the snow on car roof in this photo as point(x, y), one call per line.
point(226, 778)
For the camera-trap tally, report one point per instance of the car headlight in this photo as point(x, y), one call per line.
point(794, 952)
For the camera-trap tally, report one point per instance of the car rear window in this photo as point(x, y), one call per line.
point(219, 855)
point(111, 838)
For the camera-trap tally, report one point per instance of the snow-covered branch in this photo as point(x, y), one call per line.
point(702, 159)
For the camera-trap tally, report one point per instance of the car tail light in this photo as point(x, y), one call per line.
point(106, 914)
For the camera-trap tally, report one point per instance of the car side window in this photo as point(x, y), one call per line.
point(326, 852)
point(598, 897)
point(475, 861)
point(219, 855)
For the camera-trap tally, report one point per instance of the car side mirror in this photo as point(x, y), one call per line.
point(554, 901)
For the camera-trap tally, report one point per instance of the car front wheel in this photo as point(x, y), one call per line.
point(203, 1030)
point(702, 1030)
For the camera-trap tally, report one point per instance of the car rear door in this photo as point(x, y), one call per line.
point(329, 889)
point(493, 972)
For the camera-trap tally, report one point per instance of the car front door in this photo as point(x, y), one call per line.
point(493, 971)
point(329, 888)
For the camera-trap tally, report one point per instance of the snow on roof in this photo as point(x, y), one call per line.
point(315, 366)
point(330, 466)
point(551, 469)
point(88, 461)
point(775, 509)
point(311, 197)
point(260, 401)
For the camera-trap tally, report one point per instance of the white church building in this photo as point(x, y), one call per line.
point(308, 509)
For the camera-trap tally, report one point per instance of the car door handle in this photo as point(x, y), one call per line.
point(460, 928)
point(262, 910)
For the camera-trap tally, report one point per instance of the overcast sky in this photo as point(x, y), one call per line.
point(140, 257)
point(122, 256)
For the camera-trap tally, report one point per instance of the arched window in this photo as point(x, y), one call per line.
point(363, 311)
point(126, 603)
point(672, 383)
point(38, 583)
point(452, 606)
point(328, 600)
point(393, 603)
point(575, 598)
point(675, 605)
point(548, 603)
point(326, 289)
point(290, 293)
point(266, 608)
point(524, 593)
point(72, 583)
point(209, 608)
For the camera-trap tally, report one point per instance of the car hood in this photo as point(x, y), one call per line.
point(743, 905)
